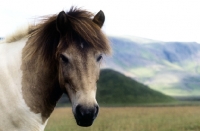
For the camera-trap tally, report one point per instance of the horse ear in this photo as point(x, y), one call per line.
point(99, 18)
point(61, 22)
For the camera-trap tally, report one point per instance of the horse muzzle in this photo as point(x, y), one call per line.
point(85, 115)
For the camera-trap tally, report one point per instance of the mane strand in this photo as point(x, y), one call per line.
point(44, 38)
point(17, 34)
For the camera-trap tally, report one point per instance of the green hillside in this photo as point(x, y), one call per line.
point(116, 88)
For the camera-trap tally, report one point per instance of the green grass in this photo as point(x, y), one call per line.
point(183, 118)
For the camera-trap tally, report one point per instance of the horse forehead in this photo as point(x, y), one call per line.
point(80, 52)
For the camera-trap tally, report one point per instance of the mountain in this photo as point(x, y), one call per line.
point(172, 68)
point(116, 88)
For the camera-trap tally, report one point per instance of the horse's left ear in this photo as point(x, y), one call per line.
point(99, 18)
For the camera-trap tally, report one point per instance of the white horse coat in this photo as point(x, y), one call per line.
point(15, 115)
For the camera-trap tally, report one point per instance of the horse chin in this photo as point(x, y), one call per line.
point(84, 123)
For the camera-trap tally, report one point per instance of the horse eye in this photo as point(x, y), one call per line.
point(64, 59)
point(99, 58)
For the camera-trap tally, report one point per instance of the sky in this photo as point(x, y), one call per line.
point(164, 20)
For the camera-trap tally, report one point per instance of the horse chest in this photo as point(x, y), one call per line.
point(15, 115)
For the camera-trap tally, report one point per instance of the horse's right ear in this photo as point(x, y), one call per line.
point(61, 22)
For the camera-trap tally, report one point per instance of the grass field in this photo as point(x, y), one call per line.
point(183, 118)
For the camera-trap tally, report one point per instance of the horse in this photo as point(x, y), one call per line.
point(60, 54)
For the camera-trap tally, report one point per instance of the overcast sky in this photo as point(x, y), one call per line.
point(165, 20)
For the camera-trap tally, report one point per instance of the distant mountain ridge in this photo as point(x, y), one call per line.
point(170, 67)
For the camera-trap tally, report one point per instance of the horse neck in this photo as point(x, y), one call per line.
point(40, 86)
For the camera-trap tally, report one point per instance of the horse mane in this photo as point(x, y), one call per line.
point(17, 35)
point(44, 37)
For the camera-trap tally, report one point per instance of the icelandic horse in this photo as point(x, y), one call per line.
point(60, 54)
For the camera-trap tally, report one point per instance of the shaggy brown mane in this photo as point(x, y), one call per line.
point(44, 37)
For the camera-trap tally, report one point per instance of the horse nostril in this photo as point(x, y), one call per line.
point(79, 111)
point(96, 110)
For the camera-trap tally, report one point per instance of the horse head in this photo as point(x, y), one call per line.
point(79, 54)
